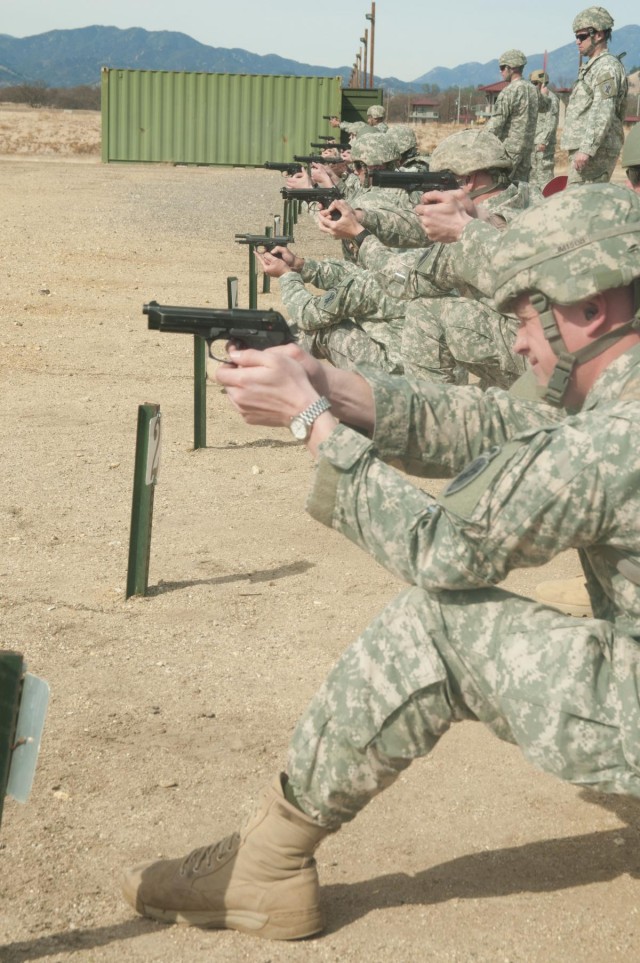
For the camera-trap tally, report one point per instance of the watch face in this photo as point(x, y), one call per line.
point(299, 428)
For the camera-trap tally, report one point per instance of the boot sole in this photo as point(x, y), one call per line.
point(268, 927)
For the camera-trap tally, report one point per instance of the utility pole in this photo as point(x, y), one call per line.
point(372, 17)
point(365, 42)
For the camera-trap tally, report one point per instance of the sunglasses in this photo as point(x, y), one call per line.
point(583, 36)
point(503, 66)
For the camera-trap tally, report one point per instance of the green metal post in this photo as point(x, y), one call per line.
point(199, 393)
point(11, 673)
point(266, 280)
point(253, 279)
point(144, 480)
point(232, 293)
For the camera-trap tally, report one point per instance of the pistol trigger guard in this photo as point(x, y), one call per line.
point(214, 357)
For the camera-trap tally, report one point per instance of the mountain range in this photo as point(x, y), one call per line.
point(68, 58)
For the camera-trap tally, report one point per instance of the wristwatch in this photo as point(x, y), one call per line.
point(359, 238)
point(301, 424)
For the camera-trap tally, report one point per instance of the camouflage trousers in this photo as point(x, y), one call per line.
point(445, 338)
point(542, 168)
point(598, 169)
point(564, 690)
point(349, 344)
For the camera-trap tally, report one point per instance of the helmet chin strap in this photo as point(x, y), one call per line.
point(497, 183)
point(556, 388)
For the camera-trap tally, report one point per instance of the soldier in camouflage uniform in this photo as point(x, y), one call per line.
point(571, 595)
point(451, 326)
point(543, 157)
point(375, 118)
point(396, 223)
point(354, 322)
point(593, 132)
point(530, 481)
point(515, 114)
point(410, 159)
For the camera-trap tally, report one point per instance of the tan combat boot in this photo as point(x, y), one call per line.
point(262, 880)
point(568, 595)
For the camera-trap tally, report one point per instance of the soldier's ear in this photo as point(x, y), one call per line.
point(594, 309)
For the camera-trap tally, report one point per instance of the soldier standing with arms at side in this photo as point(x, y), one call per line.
point(515, 114)
point(593, 132)
point(544, 149)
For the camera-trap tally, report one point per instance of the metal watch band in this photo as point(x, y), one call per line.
point(301, 425)
point(314, 411)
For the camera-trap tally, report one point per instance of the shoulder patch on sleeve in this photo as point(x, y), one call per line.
point(331, 302)
point(607, 86)
point(463, 493)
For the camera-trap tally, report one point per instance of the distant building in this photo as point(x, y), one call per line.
point(425, 110)
point(483, 111)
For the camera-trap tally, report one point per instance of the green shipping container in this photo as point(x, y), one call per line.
point(181, 117)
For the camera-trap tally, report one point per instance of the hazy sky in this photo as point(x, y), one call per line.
point(411, 36)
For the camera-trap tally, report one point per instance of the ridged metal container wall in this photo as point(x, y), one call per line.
point(181, 117)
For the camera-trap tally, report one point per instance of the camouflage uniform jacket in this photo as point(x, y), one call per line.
point(514, 122)
point(596, 106)
point(356, 295)
point(547, 125)
point(353, 127)
point(327, 272)
point(535, 483)
point(445, 268)
point(399, 226)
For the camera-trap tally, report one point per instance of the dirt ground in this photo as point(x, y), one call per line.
point(168, 713)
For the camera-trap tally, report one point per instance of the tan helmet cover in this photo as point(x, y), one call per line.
point(470, 150)
point(373, 149)
point(574, 245)
point(513, 58)
point(539, 77)
point(596, 17)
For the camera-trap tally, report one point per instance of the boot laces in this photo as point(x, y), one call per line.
point(202, 859)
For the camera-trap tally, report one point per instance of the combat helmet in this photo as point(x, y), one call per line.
point(405, 137)
point(470, 150)
point(377, 110)
point(539, 77)
point(575, 245)
point(512, 58)
point(375, 149)
point(595, 18)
